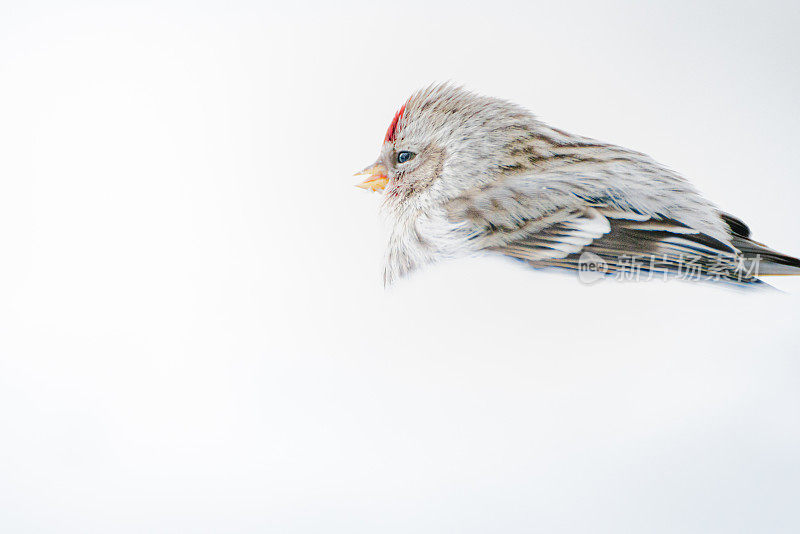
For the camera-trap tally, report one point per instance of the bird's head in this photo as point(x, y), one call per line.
point(444, 140)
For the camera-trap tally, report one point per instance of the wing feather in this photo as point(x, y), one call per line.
point(550, 227)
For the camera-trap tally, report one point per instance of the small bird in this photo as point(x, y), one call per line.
point(463, 173)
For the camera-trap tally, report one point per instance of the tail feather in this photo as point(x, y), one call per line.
point(769, 262)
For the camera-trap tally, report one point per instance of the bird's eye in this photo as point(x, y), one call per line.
point(404, 156)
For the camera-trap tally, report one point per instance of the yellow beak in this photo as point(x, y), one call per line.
point(376, 179)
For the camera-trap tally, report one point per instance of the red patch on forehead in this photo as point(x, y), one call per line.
point(394, 127)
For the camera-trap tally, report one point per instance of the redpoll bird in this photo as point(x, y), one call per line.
point(463, 173)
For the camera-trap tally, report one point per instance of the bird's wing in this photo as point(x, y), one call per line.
point(545, 234)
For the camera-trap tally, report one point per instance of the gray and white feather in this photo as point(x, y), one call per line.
point(464, 173)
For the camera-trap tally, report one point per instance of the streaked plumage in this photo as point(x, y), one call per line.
point(490, 177)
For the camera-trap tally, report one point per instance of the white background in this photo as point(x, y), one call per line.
point(193, 332)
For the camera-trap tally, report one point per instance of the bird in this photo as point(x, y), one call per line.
point(463, 174)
